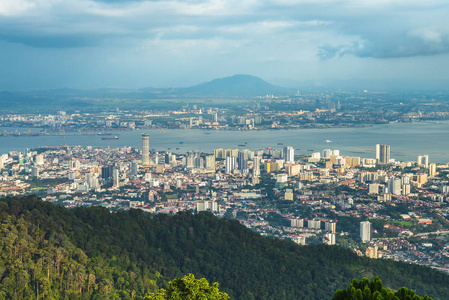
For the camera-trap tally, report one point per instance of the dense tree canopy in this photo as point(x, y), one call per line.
point(374, 290)
point(188, 288)
point(48, 251)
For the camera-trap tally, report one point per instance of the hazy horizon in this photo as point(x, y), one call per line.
point(136, 44)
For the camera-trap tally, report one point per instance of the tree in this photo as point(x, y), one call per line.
point(374, 290)
point(188, 288)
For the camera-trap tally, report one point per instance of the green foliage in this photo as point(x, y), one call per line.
point(374, 290)
point(48, 251)
point(188, 288)
point(37, 182)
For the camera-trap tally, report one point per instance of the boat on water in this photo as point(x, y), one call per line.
point(280, 143)
point(310, 150)
point(110, 138)
point(327, 141)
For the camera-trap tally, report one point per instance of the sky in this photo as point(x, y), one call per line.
point(168, 43)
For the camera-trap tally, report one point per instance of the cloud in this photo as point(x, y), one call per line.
point(215, 37)
point(416, 42)
point(13, 8)
point(369, 28)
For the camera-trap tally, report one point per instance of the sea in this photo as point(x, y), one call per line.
point(407, 140)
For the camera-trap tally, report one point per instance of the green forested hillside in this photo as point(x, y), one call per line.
point(51, 252)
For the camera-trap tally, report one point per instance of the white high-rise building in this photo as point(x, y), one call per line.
point(423, 160)
point(395, 186)
point(156, 158)
point(115, 177)
point(231, 163)
point(289, 154)
point(406, 189)
point(365, 231)
point(39, 159)
point(256, 166)
point(329, 238)
point(315, 224)
point(210, 162)
point(35, 171)
point(383, 154)
point(330, 226)
point(243, 161)
point(72, 175)
point(327, 153)
point(297, 222)
point(145, 149)
point(373, 188)
point(134, 168)
point(207, 206)
point(405, 180)
point(432, 170)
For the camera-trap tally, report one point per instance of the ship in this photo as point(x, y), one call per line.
point(110, 138)
point(327, 141)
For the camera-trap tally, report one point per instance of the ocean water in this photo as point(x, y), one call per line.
point(407, 140)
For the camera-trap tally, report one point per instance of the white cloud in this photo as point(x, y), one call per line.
point(241, 34)
point(10, 8)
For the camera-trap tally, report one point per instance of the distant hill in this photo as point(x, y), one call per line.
point(235, 86)
point(48, 251)
point(358, 84)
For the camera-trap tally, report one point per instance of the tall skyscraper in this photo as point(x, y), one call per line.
point(35, 171)
point(383, 154)
point(243, 161)
point(327, 153)
point(210, 162)
point(432, 170)
point(230, 164)
point(365, 231)
point(115, 177)
point(256, 166)
point(395, 186)
point(423, 160)
point(145, 149)
point(167, 158)
point(134, 168)
point(156, 158)
point(289, 154)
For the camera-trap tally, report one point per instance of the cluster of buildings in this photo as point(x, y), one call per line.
point(311, 110)
point(272, 191)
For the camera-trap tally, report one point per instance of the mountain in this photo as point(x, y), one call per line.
point(235, 86)
point(48, 251)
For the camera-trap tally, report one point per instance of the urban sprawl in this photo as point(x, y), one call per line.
point(379, 207)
